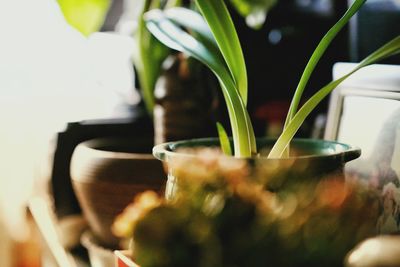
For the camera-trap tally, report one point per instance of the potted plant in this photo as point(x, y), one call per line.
point(242, 210)
point(213, 40)
point(280, 170)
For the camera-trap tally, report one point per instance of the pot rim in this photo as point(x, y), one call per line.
point(346, 151)
point(92, 146)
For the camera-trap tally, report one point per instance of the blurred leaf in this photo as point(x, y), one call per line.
point(149, 53)
point(148, 56)
point(173, 3)
point(224, 140)
point(87, 16)
point(255, 11)
point(246, 7)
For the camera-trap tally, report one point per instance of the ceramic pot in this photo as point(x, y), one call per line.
point(310, 159)
point(107, 174)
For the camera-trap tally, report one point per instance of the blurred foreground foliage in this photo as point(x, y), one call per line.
point(223, 214)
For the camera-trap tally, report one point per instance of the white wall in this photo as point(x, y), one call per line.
point(49, 75)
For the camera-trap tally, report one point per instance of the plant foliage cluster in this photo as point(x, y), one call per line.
point(212, 39)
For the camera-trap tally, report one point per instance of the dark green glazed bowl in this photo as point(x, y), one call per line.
point(311, 159)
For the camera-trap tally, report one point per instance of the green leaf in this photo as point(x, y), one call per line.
point(194, 23)
point(246, 7)
point(242, 129)
point(217, 16)
point(173, 3)
point(387, 50)
point(173, 36)
point(224, 140)
point(252, 136)
point(87, 16)
point(148, 56)
point(316, 56)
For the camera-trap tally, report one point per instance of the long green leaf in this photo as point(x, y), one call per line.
point(173, 36)
point(217, 16)
point(148, 65)
point(316, 56)
point(252, 136)
point(192, 20)
point(387, 50)
point(149, 54)
point(194, 23)
point(224, 140)
point(242, 130)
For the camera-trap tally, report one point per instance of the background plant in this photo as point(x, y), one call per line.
point(213, 40)
point(149, 53)
point(88, 16)
point(255, 11)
